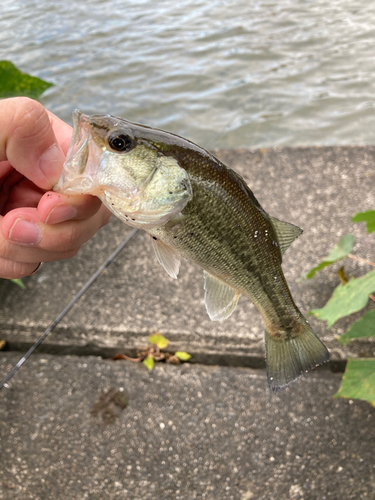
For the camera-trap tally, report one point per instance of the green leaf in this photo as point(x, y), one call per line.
point(358, 380)
point(159, 340)
point(19, 283)
point(183, 356)
point(364, 327)
point(368, 217)
point(14, 83)
point(149, 362)
point(340, 251)
point(347, 299)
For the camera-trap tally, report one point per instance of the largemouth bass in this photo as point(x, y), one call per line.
point(195, 207)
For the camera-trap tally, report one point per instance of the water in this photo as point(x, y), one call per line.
point(221, 73)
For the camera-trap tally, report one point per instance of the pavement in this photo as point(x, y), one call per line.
point(195, 430)
point(188, 432)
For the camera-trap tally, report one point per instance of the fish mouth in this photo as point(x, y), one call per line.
point(79, 170)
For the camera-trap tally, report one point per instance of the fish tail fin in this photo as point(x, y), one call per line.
point(288, 358)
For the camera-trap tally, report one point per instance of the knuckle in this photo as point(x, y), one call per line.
point(15, 270)
point(6, 250)
point(71, 253)
point(69, 239)
point(74, 236)
point(29, 108)
point(63, 240)
point(30, 119)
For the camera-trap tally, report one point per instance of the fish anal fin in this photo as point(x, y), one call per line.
point(167, 257)
point(288, 358)
point(220, 298)
point(286, 233)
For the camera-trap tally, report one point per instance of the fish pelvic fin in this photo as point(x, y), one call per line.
point(220, 298)
point(288, 358)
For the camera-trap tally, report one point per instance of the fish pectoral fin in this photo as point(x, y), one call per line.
point(220, 299)
point(286, 233)
point(167, 257)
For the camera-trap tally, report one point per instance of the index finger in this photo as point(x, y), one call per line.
point(28, 141)
point(62, 131)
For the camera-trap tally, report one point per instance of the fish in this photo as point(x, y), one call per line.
point(195, 207)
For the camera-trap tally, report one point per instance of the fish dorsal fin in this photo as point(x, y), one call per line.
point(220, 299)
point(286, 233)
point(169, 259)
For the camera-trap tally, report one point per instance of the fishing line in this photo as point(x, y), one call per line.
point(57, 320)
point(93, 278)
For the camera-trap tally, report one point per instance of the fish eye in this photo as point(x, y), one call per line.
point(119, 141)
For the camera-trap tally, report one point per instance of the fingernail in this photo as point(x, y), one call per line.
point(61, 213)
point(25, 232)
point(50, 163)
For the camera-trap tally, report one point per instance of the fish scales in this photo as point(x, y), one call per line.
point(224, 231)
point(195, 207)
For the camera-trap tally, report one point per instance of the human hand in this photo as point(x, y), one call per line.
point(37, 224)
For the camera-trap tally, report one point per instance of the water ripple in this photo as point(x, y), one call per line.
point(258, 73)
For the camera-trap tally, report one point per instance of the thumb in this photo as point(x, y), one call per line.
point(28, 142)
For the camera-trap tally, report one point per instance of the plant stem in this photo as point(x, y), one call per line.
point(124, 356)
point(351, 256)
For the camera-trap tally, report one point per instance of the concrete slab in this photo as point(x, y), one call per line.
point(188, 432)
point(318, 189)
